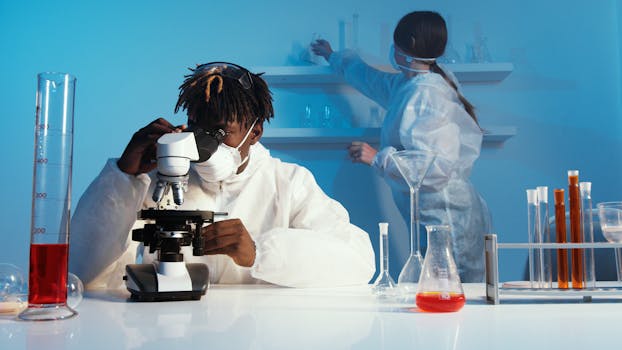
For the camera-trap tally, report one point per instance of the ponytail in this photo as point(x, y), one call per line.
point(468, 107)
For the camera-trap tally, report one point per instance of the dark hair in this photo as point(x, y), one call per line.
point(220, 91)
point(424, 34)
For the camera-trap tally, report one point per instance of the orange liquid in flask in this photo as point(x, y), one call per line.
point(440, 302)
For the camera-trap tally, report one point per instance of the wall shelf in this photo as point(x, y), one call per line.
point(494, 136)
point(277, 76)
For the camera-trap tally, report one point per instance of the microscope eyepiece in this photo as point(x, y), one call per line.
point(207, 142)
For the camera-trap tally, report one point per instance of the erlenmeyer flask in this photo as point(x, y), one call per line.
point(413, 165)
point(440, 289)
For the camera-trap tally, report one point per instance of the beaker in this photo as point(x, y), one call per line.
point(51, 199)
point(413, 165)
point(440, 289)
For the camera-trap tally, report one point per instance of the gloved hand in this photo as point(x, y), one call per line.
point(140, 153)
point(361, 152)
point(230, 237)
point(322, 48)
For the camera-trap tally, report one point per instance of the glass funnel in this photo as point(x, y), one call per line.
point(413, 165)
point(440, 289)
point(610, 215)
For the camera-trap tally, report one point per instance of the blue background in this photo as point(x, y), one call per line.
point(130, 56)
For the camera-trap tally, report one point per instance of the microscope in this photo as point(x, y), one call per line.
point(168, 230)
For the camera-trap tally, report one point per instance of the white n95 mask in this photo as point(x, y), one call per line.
point(224, 163)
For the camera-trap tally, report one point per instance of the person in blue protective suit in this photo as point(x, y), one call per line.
point(281, 227)
point(425, 110)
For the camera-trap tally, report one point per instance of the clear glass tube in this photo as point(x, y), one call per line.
point(545, 236)
point(51, 199)
point(532, 230)
point(587, 223)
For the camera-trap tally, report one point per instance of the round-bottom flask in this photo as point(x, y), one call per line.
point(440, 289)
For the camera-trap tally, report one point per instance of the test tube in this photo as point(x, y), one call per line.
point(576, 236)
point(545, 236)
point(587, 223)
point(560, 237)
point(532, 228)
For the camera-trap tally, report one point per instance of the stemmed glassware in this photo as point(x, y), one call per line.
point(610, 216)
point(413, 165)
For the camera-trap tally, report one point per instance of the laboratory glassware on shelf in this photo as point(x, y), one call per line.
point(413, 165)
point(440, 289)
point(384, 284)
point(610, 216)
point(51, 199)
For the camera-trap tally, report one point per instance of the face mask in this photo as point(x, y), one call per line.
point(409, 59)
point(224, 163)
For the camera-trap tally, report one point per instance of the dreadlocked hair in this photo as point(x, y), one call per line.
point(212, 95)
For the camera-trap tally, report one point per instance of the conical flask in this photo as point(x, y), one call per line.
point(413, 165)
point(439, 289)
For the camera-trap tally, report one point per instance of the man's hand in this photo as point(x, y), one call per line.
point(231, 238)
point(140, 153)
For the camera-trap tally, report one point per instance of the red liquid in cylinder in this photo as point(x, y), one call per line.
point(440, 302)
point(47, 281)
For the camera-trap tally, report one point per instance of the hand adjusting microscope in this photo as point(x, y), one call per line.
point(169, 277)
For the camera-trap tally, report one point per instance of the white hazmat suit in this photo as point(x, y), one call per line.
point(303, 237)
point(424, 113)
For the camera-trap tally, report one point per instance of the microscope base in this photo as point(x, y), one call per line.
point(142, 282)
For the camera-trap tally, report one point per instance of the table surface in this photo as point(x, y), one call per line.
point(269, 317)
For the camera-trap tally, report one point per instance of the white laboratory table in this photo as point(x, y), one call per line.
point(268, 317)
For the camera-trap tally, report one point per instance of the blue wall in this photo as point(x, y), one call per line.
point(129, 58)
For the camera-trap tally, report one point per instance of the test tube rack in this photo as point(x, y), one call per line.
point(494, 291)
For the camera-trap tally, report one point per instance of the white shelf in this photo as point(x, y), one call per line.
point(320, 75)
point(493, 136)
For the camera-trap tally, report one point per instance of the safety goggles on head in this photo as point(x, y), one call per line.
point(229, 70)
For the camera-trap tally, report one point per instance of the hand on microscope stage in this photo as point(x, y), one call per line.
point(140, 153)
point(230, 237)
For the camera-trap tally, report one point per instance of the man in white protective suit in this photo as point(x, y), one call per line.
point(281, 227)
